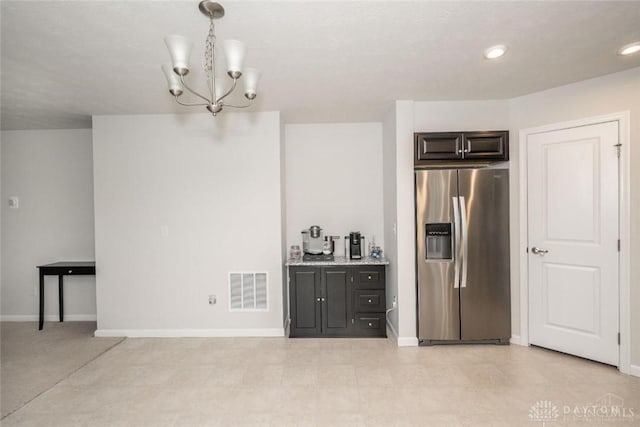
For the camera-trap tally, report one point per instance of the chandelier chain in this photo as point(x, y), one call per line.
point(209, 61)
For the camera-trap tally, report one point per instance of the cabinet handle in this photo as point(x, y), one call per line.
point(369, 277)
point(370, 324)
point(351, 279)
point(70, 271)
point(369, 301)
point(318, 299)
point(322, 299)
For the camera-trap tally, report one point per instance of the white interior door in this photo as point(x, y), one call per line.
point(573, 241)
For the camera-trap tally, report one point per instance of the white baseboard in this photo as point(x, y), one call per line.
point(515, 339)
point(634, 370)
point(401, 341)
point(47, 318)
point(407, 342)
point(189, 333)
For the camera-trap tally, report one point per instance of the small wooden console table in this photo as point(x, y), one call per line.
point(61, 269)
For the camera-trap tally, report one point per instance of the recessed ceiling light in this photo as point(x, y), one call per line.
point(629, 49)
point(495, 51)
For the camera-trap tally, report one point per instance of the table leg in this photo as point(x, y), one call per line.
point(61, 295)
point(41, 321)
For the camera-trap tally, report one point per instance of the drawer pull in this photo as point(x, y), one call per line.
point(369, 277)
point(370, 324)
point(369, 300)
point(70, 271)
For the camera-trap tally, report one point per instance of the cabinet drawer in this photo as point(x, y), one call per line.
point(371, 324)
point(370, 278)
point(80, 270)
point(69, 271)
point(370, 300)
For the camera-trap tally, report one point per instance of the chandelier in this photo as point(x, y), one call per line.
point(180, 50)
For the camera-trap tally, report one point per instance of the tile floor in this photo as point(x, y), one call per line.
point(32, 362)
point(330, 382)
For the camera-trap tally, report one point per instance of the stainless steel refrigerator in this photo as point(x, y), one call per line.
point(462, 225)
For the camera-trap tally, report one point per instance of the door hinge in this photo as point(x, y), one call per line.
point(618, 146)
point(618, 245)
point(618, 338)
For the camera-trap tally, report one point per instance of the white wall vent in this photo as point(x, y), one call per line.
point(248, 291)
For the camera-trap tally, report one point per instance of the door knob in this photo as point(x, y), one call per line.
point(537, 251)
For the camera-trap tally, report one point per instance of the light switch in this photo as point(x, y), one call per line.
point(14, 202)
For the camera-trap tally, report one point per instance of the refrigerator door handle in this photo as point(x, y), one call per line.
point(456, 242)
point(465, 241)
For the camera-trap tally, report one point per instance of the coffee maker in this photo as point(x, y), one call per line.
point(312, 245)
point(355, 245)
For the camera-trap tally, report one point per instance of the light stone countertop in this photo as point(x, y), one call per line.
point(339, 260)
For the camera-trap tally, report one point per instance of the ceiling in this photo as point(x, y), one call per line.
point(321, 61)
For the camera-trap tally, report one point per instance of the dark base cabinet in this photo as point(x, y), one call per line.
point(338, 301)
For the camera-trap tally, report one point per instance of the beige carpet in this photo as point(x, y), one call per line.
point(32, 361)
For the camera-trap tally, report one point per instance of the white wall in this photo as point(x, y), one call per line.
point(390, 211)
point(600, 96)
point(51, 173)
point(334, 179)
point(180, 201)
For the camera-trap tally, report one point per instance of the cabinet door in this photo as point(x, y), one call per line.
point(305, 301)
point(486, 145)
point(336, 303)
point(437, 146)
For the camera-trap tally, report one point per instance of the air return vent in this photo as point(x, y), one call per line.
point(248, 291)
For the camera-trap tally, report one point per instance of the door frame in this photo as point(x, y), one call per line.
point(624, 229)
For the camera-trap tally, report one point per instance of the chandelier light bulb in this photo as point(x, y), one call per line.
point(180, 51)
point(234, 52)
point(251, 77)
point(175, 87)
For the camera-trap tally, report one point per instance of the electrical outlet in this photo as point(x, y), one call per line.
point(14, 202)
point(212, 299)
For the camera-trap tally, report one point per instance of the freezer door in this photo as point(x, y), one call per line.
point(485, 304)
point(438, 295)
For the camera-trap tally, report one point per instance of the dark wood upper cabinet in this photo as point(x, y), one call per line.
point(486, 145)
point(438, 146)
point(445, 147)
